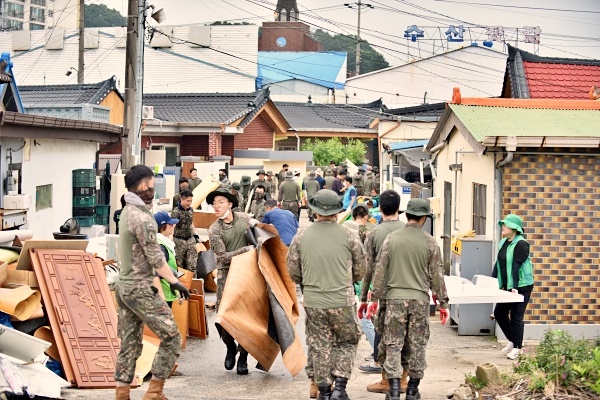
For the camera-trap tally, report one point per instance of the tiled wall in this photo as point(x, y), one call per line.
point(558, 197)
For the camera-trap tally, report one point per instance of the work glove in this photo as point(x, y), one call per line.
point(183, 291)
point(253, 222)
point(372, 309)
point(444, 315)
point(362, 309)
point(250, 248)
point(197, 238)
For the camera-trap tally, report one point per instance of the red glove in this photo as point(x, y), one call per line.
point(371, 310)
point(362, 309)
point(444, 315)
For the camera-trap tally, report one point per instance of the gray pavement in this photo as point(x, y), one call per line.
point(202, 375)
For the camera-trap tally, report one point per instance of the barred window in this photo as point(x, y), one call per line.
point(479, 201)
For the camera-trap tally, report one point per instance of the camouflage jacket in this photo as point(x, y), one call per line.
point(258, 209)
point(217, 234)
point(185, 228)
point(240, 199)
point(408, 265)
point(326, 276)
point(139, 250)
point(265, 183)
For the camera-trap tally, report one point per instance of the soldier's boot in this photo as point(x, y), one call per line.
point(404, 381)
point(123, 392)
point(314, 389)
point(394, 392)
point(412, 392)
point(383, 386)
point(155, 390)
point(324, 392)
point(242, 363)
point(339, 390)
point(230, 357)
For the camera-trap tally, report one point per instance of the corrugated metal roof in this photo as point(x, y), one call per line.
point(326, 69)
point(504, 121)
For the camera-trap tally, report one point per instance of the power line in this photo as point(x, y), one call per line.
point(519, 7)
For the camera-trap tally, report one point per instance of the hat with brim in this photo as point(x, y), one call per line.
point(261, 171)
point(513, 222)
point(269, 173)
point(312, 174)
point(246, 180)
point(230, 197)
point(326, 202)
point(319, 171)
point(162, 218)
point(236, 186)
point(418, 208)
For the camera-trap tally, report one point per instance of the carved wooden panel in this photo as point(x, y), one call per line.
point(197, 322)
point(81, 313)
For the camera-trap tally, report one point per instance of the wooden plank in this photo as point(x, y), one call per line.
point(197, 316)
point(180, 313)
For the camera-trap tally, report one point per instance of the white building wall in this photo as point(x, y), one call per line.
point(476, 169)
point(478, 71)
point(176, 69)
point(51, 162)
point(298, 91)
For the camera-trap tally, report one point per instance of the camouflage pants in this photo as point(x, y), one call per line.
point(185, 254)
point(291, 206)
point(406, 321)
point(310, 371)
point(333, 336)
point(139, 307)
point(379, 324)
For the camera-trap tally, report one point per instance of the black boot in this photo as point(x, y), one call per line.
point(339, 391)
point(242, 363)
point(412, 392)
point(230, 357)
point(324, 392)
point(394, 393)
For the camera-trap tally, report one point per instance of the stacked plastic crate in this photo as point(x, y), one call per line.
point(84, 196)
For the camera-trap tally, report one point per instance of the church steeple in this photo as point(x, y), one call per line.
point(286, 10)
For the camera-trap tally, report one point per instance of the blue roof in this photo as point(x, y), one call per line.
point(320, 68)
point(408, 145)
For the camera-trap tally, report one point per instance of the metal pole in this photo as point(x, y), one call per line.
point(140, 78)
point(81, 64)
point(359, 4)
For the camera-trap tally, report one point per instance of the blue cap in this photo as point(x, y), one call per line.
point(162, 218)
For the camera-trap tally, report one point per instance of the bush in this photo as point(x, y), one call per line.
point(325, 151)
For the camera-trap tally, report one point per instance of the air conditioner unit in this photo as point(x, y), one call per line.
point(147, 112)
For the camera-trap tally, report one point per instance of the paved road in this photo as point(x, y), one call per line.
point(449, 358)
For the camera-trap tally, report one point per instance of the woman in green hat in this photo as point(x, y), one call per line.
point(514, 271)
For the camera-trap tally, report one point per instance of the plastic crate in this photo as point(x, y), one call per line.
point(84, 211)
point(84, 191)
point(102, 219)
point(103, 210)
point(84, 201)
point(86, 222)
point(84, 178)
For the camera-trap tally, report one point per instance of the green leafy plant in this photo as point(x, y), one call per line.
point(556, 354)
point(475, 383)
point(325, 151)
point(587, 372)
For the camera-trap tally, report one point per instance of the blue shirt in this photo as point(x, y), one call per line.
point(284, 221)
point(321, 181)
point(348, 195)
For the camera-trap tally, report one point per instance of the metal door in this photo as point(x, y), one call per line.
point(447, 236)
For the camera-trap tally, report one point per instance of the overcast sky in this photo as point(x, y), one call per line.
point(572, 34)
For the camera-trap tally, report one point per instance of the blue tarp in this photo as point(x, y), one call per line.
point(320, 68)
point(408, 145)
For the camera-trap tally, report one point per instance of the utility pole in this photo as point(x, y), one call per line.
point(134, 56)
point(359, 7)
point(81, 65)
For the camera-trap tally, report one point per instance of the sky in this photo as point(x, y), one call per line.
point(570, 30)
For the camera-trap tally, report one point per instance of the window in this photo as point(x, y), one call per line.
point(43, 197)
point(50, 14)
point(38, 14)
point(39, 2)
point(14, 25)
point(36, 27)
point(172, 153)
point(479, 201)
point(15, 10)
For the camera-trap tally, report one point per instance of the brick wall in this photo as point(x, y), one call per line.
point(228, 146)
point(258, 134)
point(558, 198)
point(196, 145)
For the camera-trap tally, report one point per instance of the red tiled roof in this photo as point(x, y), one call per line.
point(561, 81)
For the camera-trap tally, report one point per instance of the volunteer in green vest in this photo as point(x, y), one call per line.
point(514, 271)
point(166, 227)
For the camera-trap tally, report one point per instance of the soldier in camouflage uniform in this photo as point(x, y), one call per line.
point(312, 187)
point(329, 179)
point(227, 237)
point(257, 208)
point(409, 263)
point(332, 329)
point(262, 175)
point(185, 243)
point(236, 188)
point(289, 194)
point(224, 183)
point(246, 183)
point(358, 180)
point(138, 300)
point(273, 181)
point(389, 206)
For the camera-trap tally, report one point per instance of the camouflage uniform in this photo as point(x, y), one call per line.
point(257, 208)
point(358, 183)
point(225, 184)
point(137, 298)
point(265, 183)
point(329, 179)
point(240, 198)
point(185, 244)
point(274, 186)
point(408, 265)
point(332, 328)
point(289, 196)
point(312, 187)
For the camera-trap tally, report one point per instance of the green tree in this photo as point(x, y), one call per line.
point(100, 16)
point(325, 151)
point(370, 59)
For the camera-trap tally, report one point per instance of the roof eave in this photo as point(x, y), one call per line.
point(543, 141)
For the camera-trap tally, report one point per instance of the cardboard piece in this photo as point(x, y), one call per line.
point(210, 285)
point(24, 261)
point(45, 333)
point(203, 219)
point(17, 278)
point(21, 345)
point(186, 278)
point(202, 190)
point(20, 302)
point(143, 365)
point(3, 273)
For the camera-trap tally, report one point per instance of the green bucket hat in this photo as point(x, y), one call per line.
point(512, 221)
point(236, 186)
point(326, 202)
point(375, 169)
point(246, 180)
point(418, 207)
point(261, 171)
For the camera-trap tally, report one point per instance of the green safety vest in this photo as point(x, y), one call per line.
point(526, 271)
point(169, 295)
